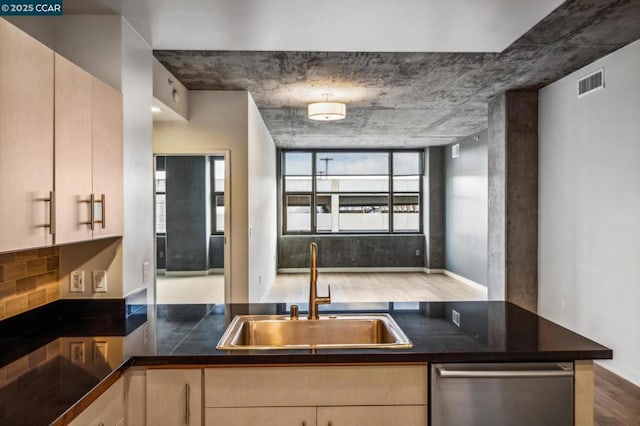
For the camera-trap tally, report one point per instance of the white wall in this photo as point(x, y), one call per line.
point(94, 43)
point(42, 28)
point(164, 85)
point(137, 91)
point(263, 224)
point(589, 208)
point(218, 121)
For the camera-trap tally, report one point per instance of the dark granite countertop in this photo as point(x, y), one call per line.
point(59, 363)
point(488, 331)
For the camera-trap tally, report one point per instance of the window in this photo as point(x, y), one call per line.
point(352, 191)
point(217, 194)
point(216, 177)
point(161, 196)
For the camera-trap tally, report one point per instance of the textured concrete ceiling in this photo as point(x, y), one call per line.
point(407, 99)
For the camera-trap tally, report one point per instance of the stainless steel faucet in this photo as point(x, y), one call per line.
point(314, 300)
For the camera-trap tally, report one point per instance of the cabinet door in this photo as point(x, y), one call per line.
point(107, 410)
point(316, 385)
point(26, 139)
point(174, 397)
point(405, 415)
point(107, 159)
point(73, 171)
point(261, 416)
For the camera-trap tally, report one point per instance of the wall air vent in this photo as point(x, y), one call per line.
point(455, 151)
point(591, 83)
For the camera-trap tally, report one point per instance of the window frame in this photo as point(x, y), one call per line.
point(314, 192)
point(214, 195)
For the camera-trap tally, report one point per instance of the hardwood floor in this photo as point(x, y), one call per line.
point(616, 401)
point(205, 289)
point(374, 287)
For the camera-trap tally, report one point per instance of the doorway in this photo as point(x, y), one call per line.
point(191, 223)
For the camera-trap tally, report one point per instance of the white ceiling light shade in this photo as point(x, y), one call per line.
point(327, 111)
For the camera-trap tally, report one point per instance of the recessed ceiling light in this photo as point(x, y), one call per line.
point(156, 109)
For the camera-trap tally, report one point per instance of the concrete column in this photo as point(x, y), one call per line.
point(187, 237)
point(513, 198)
point(433, 206)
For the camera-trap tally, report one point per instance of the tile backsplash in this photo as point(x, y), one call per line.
point(28, 279)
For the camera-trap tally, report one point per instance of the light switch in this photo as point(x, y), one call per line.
point(99, 281)
point(76, 282)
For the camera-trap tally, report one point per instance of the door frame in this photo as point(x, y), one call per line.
point(227, 211)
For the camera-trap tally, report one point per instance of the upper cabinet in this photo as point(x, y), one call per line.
point(49, 105)
point(73, 172)
point(107, 159)
point(26, 141)
point(88, 147)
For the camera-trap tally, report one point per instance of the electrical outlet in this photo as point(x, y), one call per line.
point(76, 282)
point(418, 252)
point(563, 303)
point(99, 281)
point(259, 278)
point(145, 272)
point(455, 317)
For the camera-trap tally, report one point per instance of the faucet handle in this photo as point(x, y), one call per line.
point(325, 300)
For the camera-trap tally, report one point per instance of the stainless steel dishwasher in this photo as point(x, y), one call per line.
point(522, 394)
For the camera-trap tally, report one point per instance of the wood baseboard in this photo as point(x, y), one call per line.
point(352, 269)
point(465, 280)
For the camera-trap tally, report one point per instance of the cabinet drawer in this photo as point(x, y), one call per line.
point(261, 416)
point(316, 385)
point(408, 415)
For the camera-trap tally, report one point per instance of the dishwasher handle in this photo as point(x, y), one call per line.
point(445, 373)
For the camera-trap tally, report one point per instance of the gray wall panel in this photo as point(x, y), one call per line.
point(344, 251)
point(466, 209)
point(187, 237)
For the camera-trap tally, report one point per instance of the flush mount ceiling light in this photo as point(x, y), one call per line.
point(327, 111)
point(156, 109)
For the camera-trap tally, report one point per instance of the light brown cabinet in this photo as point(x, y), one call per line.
point(107, 410)
point(317, 395)
point(60, 147)
point(405, 415)
point(88, 156)
point(26, 140)
point(107, 159)
point(174, 397)
point(73, 172)
point(261, 416)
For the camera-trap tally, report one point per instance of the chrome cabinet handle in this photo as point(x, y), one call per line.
point(187, 403)
point(463, 374)
point(52, 212)
point(91, 201)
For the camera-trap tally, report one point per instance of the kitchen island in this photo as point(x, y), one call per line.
point(441, 332)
